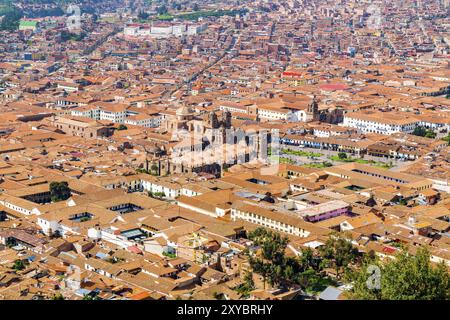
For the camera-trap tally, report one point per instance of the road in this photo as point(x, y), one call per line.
point(101, 41)
point(169, 93)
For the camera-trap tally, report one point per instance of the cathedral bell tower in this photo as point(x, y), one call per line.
point(313, 109)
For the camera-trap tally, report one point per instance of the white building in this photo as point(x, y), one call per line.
point(274, 114)
point(179, 29)
point(162, 30)
point(144, 120)
point(114, 112)
point(270, 219)
point(153, 185)
point(382, 123)
point(196, 29)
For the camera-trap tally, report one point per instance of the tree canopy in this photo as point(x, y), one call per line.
point(162, 10)
point(407, 277)
point(424, 132)
point(11, 17)
point(271, 262)
point(20, 264)
point(142, 15)
point(338, 253)
point(306, 270)
point(59, 191)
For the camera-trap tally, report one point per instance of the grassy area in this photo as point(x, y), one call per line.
point(169, 255)
point(317, 165)
point(378, 164)
point(165, 17)
point(109, 19)
point(301, 153)
point(382, 165)
point(286, 160)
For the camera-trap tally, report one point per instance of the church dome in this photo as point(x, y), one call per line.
point(184, 111)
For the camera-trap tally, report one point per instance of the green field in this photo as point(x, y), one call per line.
point(286, 160)
point(301, 153)
point(200, 14)
point(378, 164)
point(317, 165)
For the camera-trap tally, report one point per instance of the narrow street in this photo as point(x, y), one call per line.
point(169, 93)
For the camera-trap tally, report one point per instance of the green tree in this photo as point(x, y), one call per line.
point(10, 17)
point(419, 131)
point(424, 132)
point(142, 15)
point(271, 263)
point(176, 6)
point(447, 138)
point(277, 269)
point(407, 277)
point(338, 253)
point(58, 296)
point(66, 36)
point(342, 155)
point(154, 168)
point(161, 10)
point(430, 134)
point(20, 264)
point(245, 288)
point(309, 261)
point(219, 296)
point(59, 191)
point(159, 194)
point(122, 127)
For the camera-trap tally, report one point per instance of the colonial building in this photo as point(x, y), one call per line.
point(206, 143)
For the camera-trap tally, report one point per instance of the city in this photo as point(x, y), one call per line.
point(225, 150)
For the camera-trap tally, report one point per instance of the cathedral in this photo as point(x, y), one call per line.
point(207, 143)
point(312, 113)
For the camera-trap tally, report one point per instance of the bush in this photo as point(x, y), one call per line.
point(169, 255)
point(20, 264)
point(58, 296)
point(342, 155)
point(424, 132)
